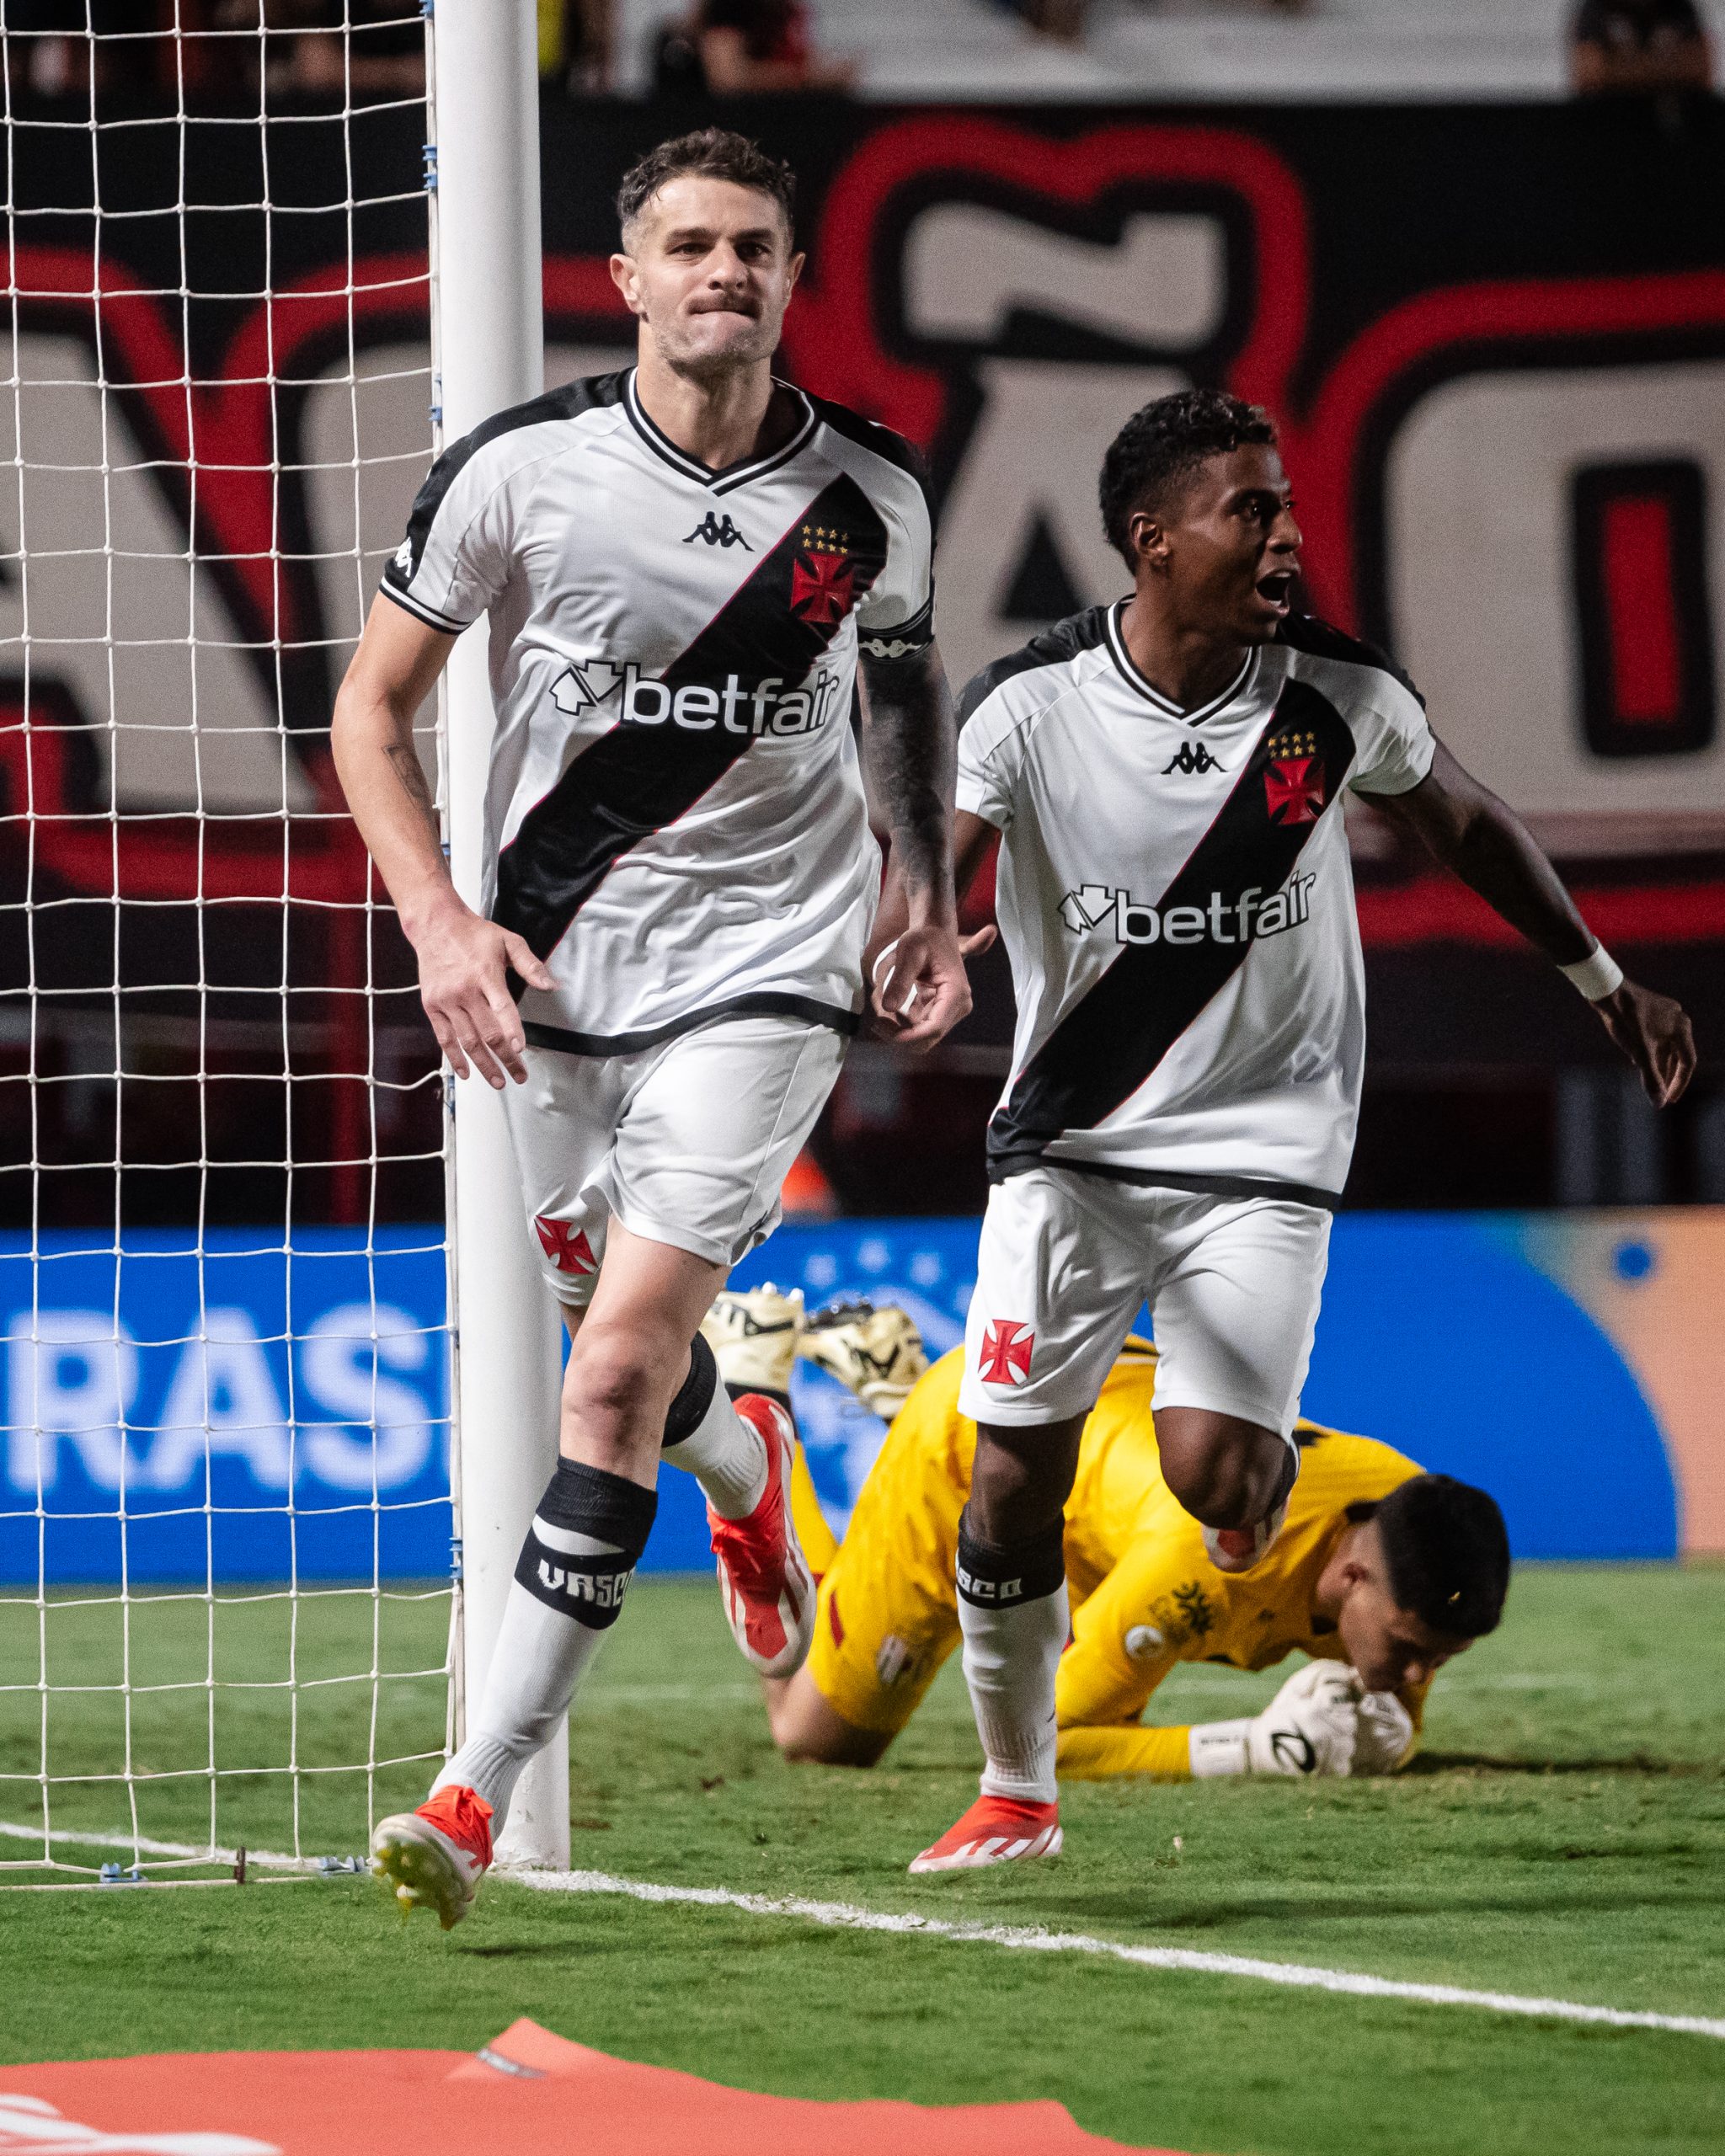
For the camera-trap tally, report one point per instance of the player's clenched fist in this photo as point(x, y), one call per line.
point(464, 965)
point(1313, 1725)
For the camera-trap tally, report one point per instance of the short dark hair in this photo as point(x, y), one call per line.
point(712, 153)
point(1447, 1553)
point(1165, 442)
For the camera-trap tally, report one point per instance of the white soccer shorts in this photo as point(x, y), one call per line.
point(686, 1142)
point(1065, 1260)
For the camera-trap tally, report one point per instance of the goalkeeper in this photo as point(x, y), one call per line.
point(1382, 1574)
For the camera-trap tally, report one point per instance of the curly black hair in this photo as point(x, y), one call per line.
point(711, 153)
point(1163, 443)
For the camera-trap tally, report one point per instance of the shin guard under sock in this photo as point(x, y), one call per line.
point(574, 1571)
point(705, 1436)
point(1013, 1612)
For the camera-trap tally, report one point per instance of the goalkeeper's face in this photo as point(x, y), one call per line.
point(709, 269)
point(1389, 1646)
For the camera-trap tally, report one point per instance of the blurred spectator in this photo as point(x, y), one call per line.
point(372, 50)
point(576, 40)
point(50, 50)
point(1639, 46)
point(737, 48)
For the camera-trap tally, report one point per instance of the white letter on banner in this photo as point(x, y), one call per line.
point(342, 1368)
point(71, 1374)
point(223, 1399)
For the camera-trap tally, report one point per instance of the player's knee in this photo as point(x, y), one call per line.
point(616, 1372)
point(1228, 1476)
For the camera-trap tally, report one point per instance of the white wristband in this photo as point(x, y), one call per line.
point(1597, 975)
point(1220, 1747)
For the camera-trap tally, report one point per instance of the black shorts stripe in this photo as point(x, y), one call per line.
point(637, 779)
point(1234, 1186)
point(1114, 1037)
point(765, 1003)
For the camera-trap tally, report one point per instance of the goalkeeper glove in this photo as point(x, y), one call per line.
point(1385, 1734)
point(1310, 1727)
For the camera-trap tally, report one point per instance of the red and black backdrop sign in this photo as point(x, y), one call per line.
point(1494, 340)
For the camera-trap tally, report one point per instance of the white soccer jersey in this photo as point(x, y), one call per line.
point(675, 819)
point(1175, 895)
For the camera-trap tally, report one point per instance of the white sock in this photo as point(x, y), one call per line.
point(726, 1455)
point(569, 1588)
point(1014, 1625)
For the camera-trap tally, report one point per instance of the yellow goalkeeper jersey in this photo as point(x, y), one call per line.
point(1144, 1592)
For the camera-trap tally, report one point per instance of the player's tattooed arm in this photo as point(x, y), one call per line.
point(464, 961)
point(1483, 840)
point(910, 744)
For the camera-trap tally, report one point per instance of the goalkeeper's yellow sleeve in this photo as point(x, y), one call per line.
point(820, 1544)
point(1122, 1643)
point(1092, 1755)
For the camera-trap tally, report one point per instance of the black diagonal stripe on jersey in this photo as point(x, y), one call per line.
point(637, 779)
point(1109, 1043)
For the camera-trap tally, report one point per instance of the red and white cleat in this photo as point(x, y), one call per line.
point(994, 1830)
point(764, 1579)
point(434, 1858)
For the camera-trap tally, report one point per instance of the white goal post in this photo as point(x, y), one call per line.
point(489, 353)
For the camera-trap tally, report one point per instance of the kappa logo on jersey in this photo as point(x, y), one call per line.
point(759, 707)
point(822, 577)
point(565, 1245)
point(1194, 762)
point(1005, 1352)
point(718, 531)
point(1245, 919)
point(1294, 783)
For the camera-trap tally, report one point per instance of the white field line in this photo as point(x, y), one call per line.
point(181, 1851)
point(847, 1916)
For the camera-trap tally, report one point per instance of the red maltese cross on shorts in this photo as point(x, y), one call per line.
point(565, 1245)
point(1005, 1352)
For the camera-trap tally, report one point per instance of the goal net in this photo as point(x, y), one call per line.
point(225, 1511)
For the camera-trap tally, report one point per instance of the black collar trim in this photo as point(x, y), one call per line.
point(733, 476)
point(1123, 660)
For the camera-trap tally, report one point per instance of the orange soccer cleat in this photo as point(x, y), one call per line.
point(763, 1576)
point(994, 1830)
point(434, 1858)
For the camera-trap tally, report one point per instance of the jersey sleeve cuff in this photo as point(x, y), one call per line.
point(421, 611)
point(1419, 769)
point(973, 801)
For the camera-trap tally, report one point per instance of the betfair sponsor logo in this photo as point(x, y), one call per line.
point(1225, 919)
point(636, 698)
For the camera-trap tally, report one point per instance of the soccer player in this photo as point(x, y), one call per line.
point(1381, 1572)
point(1166, 776)
point(683, 564)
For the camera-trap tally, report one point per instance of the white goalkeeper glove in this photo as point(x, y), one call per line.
point(1385, 1734)
point(1311, 1727)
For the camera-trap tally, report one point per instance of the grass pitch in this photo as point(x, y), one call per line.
point(1563, 1836)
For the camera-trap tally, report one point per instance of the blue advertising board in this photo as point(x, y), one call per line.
point(249, 1413)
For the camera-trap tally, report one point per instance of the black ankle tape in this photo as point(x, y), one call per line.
point(1290, 1476)
point(607, 1506)
point(990, 1577)
point(586, 1501)
point(694, 1395)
